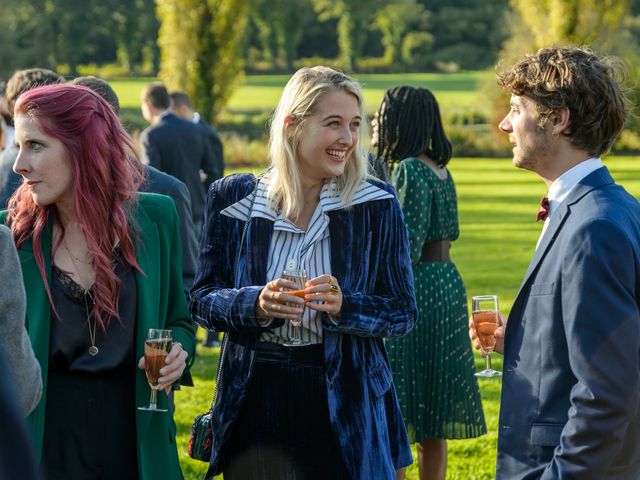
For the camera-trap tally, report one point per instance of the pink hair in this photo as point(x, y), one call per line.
point(106, 176)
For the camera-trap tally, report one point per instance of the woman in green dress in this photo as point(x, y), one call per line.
point(433, 365)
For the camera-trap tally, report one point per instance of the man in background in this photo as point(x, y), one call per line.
point(181, 106)
point(176, 147)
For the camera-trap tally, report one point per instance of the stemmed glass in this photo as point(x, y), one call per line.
point(486, 320)
point(156, 349)
point(299, 277)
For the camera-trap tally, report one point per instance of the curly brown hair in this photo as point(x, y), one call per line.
point(576, 79)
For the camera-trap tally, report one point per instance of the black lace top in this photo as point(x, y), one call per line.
point(69, 335)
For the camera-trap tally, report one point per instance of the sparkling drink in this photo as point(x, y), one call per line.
point(486, 323)
point(155, 351)
point(486, 319)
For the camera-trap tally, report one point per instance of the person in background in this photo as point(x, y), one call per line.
point(177, 147)
point(17, 460)
point(20, 81)
point(181, 106)
point(433, 366)
point(326, 409)
point(571, 378)
point(101, 266)
point(23, 367)
point(6, 117)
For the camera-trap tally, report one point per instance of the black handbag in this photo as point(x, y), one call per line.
point(201, 434)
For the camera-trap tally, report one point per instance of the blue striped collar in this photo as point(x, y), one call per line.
point(329, 200)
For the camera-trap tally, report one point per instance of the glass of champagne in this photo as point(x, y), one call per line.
point(486, 320)
point(299, 277)
point(156, 349)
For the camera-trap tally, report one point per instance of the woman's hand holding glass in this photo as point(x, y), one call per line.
point(278, 299)
point(324, 295)
point(321, 293)
point(175, 363)
point(498, 334)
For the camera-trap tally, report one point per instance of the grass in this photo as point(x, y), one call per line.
point(497, 205)
point(456, 92)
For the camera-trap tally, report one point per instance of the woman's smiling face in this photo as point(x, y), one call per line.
point(329, 136)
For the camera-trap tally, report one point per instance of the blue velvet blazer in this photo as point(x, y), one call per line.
point(370, 259)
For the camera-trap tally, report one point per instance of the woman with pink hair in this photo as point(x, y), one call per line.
point(101, 265)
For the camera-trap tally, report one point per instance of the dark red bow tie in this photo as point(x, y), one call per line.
point(543, 213)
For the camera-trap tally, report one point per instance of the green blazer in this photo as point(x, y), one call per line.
point(160, 304)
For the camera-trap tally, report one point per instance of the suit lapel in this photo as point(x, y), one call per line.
point(594, 180)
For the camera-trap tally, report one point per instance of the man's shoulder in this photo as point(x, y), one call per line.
point(158, 181)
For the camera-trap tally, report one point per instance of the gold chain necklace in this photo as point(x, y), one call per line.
point(93, 350)
point(73, 257)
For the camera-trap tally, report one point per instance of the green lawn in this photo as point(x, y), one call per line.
point(455, 91)
point(497, 206)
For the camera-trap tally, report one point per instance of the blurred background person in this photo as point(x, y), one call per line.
point(177, 147)
point(17, 460)
point(20, 81)
point(433, 366)
point(6, 115)
point(23, 367)
point(181, 105)
point(101, 266)
point(326, 409)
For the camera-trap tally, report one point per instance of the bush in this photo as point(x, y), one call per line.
point(239, 151)
point(313, 61)
point(373, 65)
point(106, 72)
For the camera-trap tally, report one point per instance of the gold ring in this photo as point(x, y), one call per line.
point(334, 288)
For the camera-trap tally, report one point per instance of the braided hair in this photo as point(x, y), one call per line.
point(409, 124)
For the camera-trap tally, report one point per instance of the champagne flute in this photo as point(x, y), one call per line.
point(486, 320)
point(156, 349)
point(299, 277)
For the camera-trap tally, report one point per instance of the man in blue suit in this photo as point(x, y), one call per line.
point(571, 378)
point(176, 147)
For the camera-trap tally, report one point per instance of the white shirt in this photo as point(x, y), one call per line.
point(562, 186)
point(310, 249)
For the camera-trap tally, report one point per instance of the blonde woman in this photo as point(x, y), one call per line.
point(326, 409)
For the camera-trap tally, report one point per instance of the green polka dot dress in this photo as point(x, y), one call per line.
point(433, 365)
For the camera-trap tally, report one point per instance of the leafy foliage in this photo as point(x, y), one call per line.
point(199, 43)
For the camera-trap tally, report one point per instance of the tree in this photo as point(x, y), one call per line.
point(354, 18)
point(280, 25)
point(199, 49)
point(598, 23)
point(395, 20)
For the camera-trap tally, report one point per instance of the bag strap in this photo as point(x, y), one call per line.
point(237, 285)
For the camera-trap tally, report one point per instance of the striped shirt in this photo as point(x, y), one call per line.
point(292, 247)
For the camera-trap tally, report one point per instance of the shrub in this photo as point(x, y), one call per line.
point(373, 65)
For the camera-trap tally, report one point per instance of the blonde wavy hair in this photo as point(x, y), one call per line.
point(304, 90)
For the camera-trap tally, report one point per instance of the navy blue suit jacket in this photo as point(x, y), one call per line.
point(370, 259)
point(181, 149)
point(571, 384)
